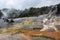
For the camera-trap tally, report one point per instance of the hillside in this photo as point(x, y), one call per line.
point(32, 11)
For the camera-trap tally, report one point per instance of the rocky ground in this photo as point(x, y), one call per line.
point(27, 29)
point(30, 35)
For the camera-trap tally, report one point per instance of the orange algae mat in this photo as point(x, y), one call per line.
point(33, 33)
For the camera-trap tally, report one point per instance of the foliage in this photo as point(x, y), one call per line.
point(0, 14)
point(58, 9)
point(33, 12)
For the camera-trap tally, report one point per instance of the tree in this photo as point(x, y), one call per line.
point(58, 9)
point(1, 14)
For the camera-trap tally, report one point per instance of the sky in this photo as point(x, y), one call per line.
point(23, 4)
